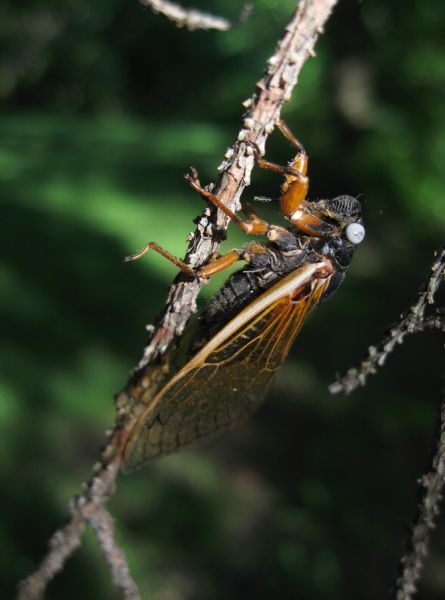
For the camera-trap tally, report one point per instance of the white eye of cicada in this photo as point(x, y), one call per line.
point(355, 233)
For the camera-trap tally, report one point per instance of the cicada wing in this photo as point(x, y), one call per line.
point(227, 379)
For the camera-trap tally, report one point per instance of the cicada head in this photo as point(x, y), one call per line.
point(336, 222)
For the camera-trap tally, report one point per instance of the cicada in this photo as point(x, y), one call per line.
point(247, 329)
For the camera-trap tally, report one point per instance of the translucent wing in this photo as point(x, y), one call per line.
point(228, 378)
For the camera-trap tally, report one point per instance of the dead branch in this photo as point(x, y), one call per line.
point(102, 523)
point(263, 110)
point(414, 320)
point(67, 539)
point(431, 486)
point(192, 18)
point(61, 546)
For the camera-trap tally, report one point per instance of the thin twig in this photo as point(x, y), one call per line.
point(431, 486)
point(410, 322)
point(192, 18)
point(263, 110)
point(61, 546)
point(67, 539)
point(414, 320)
point(102, 523)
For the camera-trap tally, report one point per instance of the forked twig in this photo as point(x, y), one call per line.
point(263, 110)
point(67, 539)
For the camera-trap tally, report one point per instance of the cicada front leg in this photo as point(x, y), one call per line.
point(254, 225)
point(296, 183)
point(205, 272)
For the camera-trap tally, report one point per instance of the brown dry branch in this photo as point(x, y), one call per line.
point(192, 18)
point(414, 320)
point(263, 110)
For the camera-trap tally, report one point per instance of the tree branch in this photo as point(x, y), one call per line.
point(411, 321)
point(102, 523)
point(414, 320)
point(62, 544)
point(430, 492)
point(263, 110)
point(66, 540)
point(193, 18)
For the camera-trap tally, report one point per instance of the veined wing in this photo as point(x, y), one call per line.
point(227, 379)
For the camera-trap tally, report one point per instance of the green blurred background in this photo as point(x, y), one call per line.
point(104, 106)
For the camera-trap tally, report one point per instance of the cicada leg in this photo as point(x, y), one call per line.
point(290, 137)
point(252, 226)
point(295, 187)
point(216, 266)
point(165, 253)
point(251, 214)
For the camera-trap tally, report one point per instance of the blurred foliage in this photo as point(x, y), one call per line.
point(104, 106)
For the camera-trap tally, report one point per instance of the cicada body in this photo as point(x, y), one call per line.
point(248, 328)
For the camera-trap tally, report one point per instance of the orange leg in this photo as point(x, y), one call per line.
point(231, 257)
point(255, 226)
point(251, 214)
point(300, 161)
point(293, 193)
point(290, 136)
point(216, 266)
point(165, 253)
point(295, 187)
point(298, 166)
point(270, 166)
point(219, 264)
